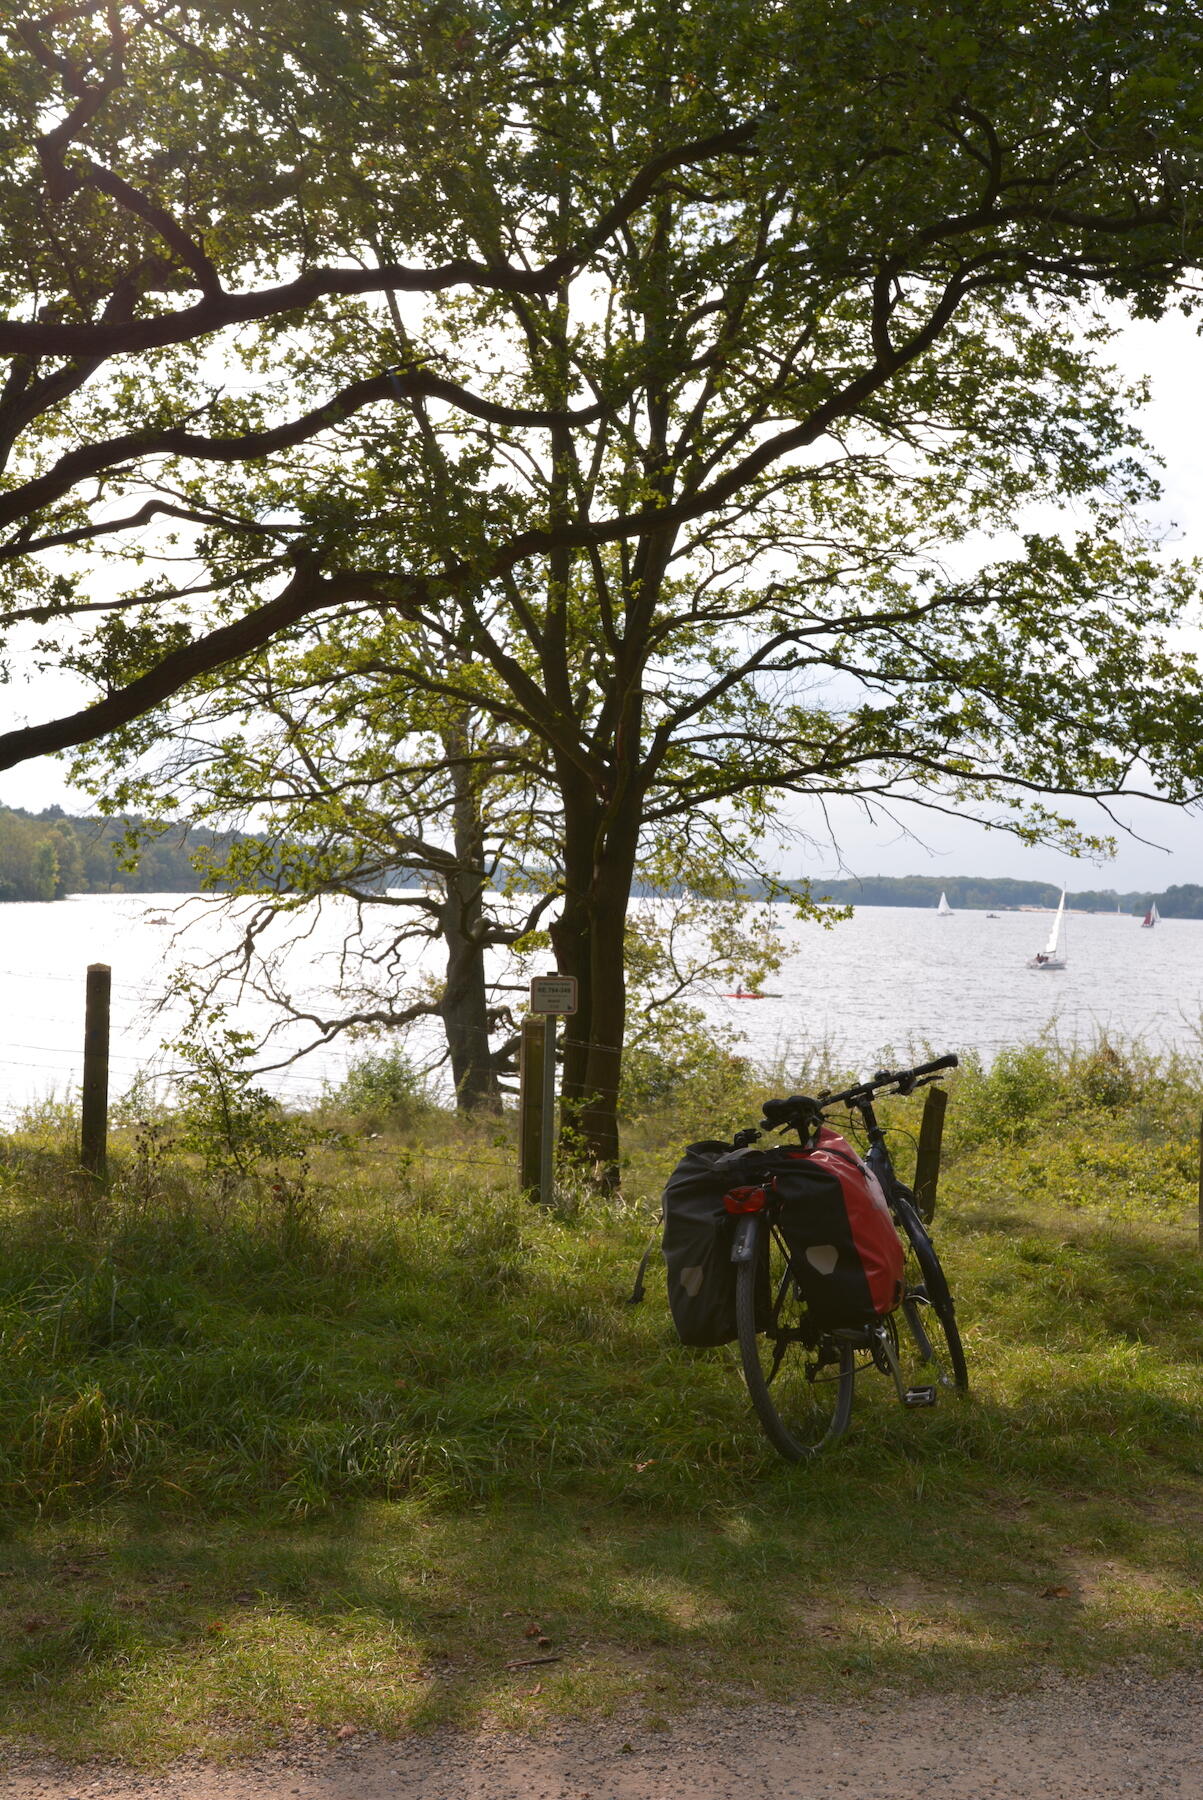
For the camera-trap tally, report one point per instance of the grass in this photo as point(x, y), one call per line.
point(361, 1439)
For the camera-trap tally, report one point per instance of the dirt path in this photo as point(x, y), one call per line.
point(1122, 1735)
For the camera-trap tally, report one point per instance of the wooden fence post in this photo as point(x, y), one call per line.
point(537, 1108)
point(94, 1111)
point(547, 1114)
point(927, 1161)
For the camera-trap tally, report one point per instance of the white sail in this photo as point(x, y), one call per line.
point(944, 910)
point(1054, 936)
point(1053, 956)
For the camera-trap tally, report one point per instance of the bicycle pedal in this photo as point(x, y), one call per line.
point(920, 1396)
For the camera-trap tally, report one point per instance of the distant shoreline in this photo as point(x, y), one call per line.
point(51, 854)
point(976, 893)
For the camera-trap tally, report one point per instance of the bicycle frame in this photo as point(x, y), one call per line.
point(926, 1308)
point(900, 1198)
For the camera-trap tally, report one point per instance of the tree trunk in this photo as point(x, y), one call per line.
point(465, 1014)
point(607, 1023)
point(570, 939)
point(589, 942)
point(464, 1007)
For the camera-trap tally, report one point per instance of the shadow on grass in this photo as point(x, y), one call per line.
point(227, 1633)
point(258, 1489)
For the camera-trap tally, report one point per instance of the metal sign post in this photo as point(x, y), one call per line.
point(550, 997)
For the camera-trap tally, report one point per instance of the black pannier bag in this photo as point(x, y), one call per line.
point(828, 1207)
point(697, 1243)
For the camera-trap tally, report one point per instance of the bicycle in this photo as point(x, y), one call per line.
point(801, 1374)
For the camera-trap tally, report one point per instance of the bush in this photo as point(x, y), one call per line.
point(383, 1088)
point(1024, 1083)
point(1107, 1078)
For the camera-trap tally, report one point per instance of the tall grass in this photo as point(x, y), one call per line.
point(374, 1341)
point(346, 1331)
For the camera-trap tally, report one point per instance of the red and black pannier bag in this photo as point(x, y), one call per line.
point(828, 1207)
point(844, 1246)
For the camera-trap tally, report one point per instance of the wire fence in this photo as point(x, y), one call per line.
point(68, 1064)
point(145, 1068)
point(497, 1160)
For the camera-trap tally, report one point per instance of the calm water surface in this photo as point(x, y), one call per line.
point(889, 978)
point(899, 977)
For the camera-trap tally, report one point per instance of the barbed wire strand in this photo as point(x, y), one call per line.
point(129, 1056)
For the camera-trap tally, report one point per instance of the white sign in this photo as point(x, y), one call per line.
point(553, 993)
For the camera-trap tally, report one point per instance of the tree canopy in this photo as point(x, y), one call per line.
point(671, 394)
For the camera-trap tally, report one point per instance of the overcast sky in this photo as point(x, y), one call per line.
point(1170, 352)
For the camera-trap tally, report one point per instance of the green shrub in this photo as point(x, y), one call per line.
point(1108, 1078)
point(384, 1087)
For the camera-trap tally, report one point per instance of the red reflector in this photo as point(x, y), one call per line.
point(744, 1200)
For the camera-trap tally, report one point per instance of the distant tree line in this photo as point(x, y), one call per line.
point(977, 893)
point(47, 855)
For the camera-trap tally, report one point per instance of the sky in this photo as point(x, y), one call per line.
point(1165, 845)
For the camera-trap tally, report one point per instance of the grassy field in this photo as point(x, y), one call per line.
point(352, 1436)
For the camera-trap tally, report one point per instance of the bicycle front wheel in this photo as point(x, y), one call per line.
point(937, 1356)
point(800, 1380)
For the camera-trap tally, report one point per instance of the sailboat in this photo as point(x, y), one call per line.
point(1151, 917)
point(1052, 956)
point(944, 910)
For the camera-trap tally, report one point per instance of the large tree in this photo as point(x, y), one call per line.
point(183, 184)
point(717, 344)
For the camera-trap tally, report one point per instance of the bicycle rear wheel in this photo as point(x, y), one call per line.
point(800, 1380)
point(937, 1356)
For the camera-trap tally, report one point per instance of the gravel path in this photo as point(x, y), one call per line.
point(1121, 1735)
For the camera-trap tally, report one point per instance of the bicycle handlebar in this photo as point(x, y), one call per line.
point(903, 1081)
point(802, 1112)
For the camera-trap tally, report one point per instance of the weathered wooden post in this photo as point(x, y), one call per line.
point(547, 1114)
point(94, 1110)
point(927, 1161)
point(550, 995)
point(530, 1106)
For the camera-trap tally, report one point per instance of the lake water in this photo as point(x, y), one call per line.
point(902, 978)
point(889, 978)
